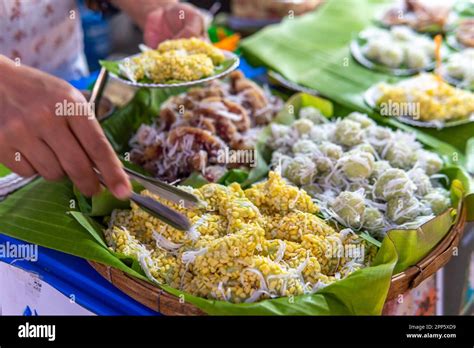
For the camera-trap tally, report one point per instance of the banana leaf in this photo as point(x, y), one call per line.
point(411, 245)
point(313, 51)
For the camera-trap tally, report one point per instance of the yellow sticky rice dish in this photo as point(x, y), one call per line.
point(244, 246)
point(437, 100)
point(174, 60)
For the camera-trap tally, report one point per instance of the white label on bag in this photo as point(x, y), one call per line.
point(24, 293)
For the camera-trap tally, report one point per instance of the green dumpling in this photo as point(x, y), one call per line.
point(400, 155)
point(350, 207)
point(301, 170)
point(358, 165)
point(403, 209)
point(438, 200)
point(303, 126)
point(348, 133)
point(304, 146)
point(312, 114)
point(365, 147)
point(362, 119)
point(394, 183)
point(380, 167)
point(430, 162)
point(421, 181)
point(373, 220)
point(280, 160)
point(331, 150)
point(378, 137)
point(326, 156)
point(319, 134)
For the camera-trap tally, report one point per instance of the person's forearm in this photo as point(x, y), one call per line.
point(139, 9)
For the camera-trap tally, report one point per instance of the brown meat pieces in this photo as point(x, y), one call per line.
point(253, 98)
point(194, 139)
point(465, 33)
point(417, 14)
point(219, 108)
point(193, 127)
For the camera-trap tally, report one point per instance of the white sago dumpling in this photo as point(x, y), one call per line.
point(357, 165)
point(348, 133)
point(280, 160)
point(312, 114)
point(350, 207)
point(402, 33)
point(365, 147)
point(455, 68)
point(333, 151)
point(360, 118)
point(430, 162)
point(304, 146)
point(303, 126)
point(427, 45)
point(312, 189)
point(403, 209)
point(280, 136)
point(421, 181)
point(373, 49)
point(399, 155)
point(392, 55)
point(280, 130)
point(417, 58)
point(323, 164)
point(394, 183)
point(373, 220)
point(330, 180)
point(326, 156)
point(378, 137)
point(380, 167)
point(374, 33)
point(438, 200)
point(359, 185)
point(301, 170)
point(469, 78)
point(318, 134)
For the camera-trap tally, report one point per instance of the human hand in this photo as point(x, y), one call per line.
point(46, 128)
point(174, 21)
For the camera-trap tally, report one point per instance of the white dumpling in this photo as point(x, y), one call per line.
point(392, 55)
point(350, 207)
point(373, 49)
point(403, 209)
point(417, 58)
point(312, 114)
point(402, 33)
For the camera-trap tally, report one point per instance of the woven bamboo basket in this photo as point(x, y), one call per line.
point(164, 303)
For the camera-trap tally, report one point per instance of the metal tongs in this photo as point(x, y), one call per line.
point(155, 186)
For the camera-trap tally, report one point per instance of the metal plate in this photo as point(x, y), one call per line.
point(369, 98)
point(228, 55)
point(356, 51)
